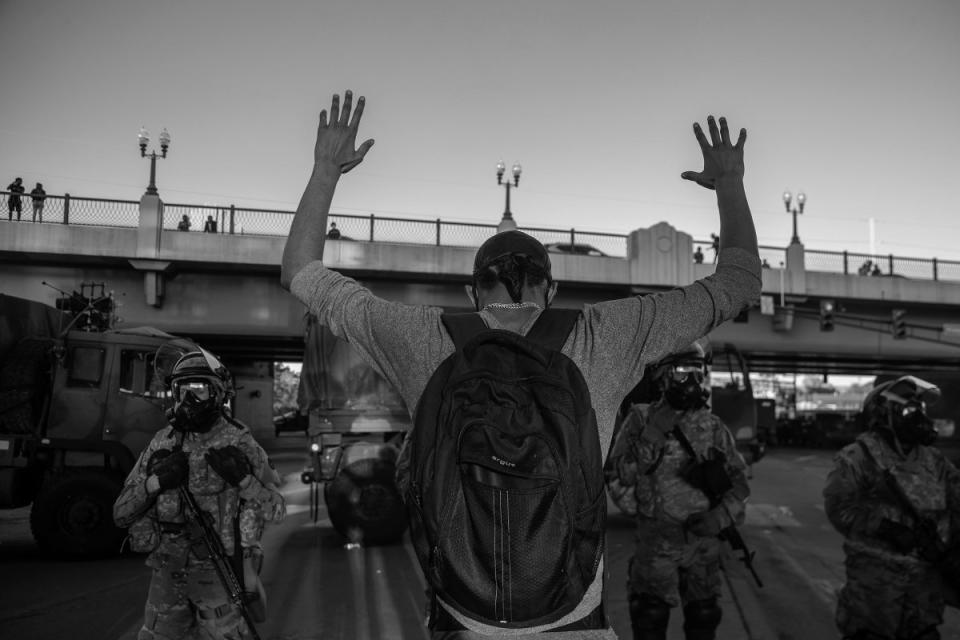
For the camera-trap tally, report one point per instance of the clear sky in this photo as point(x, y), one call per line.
point(854, 102)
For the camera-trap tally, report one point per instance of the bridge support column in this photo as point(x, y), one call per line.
point(154, 279)
point(660, 255)
point(795, 278)
point(150, 226)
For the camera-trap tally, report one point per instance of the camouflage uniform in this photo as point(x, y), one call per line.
point(890, 594)
point(670, 562)
point(186, 598)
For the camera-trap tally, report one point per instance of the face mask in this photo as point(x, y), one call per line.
point(912, 426)
point(197, 406)
point(684, 389)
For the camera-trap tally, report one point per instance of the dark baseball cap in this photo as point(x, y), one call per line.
point(511, 242)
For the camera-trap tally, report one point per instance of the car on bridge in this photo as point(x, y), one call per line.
point(574, 248)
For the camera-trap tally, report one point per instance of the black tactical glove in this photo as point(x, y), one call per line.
point(929, 545)
point(950, 567)
point(229, 462)
point(709, 524)
point(170, 467)
point(898, 535)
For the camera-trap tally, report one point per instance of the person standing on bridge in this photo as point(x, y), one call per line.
point(39, 197)
point(896, 500)
point(682, 503)
point(14, 202)
point(215, 458)
point(611, 342)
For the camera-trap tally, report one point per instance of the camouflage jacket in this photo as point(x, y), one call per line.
point(858, 494)
point(148, 515)
point(649, 458)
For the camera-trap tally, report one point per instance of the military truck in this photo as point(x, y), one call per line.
point(79, 400)
point(355, 422)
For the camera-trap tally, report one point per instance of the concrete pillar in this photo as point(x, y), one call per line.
point(150, 226)
point(149, 233)
point(795, 278)
point(660, 256)
point(154, 279)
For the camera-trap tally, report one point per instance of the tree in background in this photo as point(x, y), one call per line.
point(286, 379)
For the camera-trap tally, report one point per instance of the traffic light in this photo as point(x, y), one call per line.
point(826, 315)
point(898, 324)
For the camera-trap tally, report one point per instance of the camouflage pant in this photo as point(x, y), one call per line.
point(902, 602)
point(673, 565)
point(190, 604)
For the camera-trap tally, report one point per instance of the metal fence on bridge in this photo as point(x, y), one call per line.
point(103, 212)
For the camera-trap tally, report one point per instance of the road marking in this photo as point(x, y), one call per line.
point(826, 590)
point(388, 618)
point(770, 515)
point(356, 559)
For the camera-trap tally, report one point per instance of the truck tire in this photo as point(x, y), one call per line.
point(73, 514)
point(24, 384)
point(363, 501)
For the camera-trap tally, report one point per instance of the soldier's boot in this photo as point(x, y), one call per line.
point(649, 617)
point(701, 619)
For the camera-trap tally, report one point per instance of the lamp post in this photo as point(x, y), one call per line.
point(507, 222)
point(144, 139)
point(801, 200)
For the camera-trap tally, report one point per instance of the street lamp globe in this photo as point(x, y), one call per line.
point(143, 138)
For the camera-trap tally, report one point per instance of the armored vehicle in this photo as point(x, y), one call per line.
point(79, 400)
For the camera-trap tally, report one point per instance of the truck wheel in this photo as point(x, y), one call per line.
point(73, 514)
point(23, 385)
point(363, 501)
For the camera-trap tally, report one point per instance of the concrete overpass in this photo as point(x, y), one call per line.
point(223, 290)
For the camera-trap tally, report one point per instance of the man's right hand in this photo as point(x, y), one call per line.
point(170, 467)
point(336, 140)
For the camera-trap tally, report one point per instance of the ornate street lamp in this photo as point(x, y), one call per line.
point(801, 200)
point(144, 138)
point(507, 222)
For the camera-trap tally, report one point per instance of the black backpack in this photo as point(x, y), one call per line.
point(506, 496)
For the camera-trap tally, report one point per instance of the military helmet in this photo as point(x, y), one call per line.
point(698, 350)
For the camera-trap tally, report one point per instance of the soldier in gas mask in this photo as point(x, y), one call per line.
point(895, 498)
point(229, 476)
point(689, 484)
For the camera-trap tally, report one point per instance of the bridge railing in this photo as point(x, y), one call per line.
point(374, 228)
point(67, 209)
point(231, 219)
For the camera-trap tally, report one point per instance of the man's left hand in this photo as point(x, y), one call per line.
point(709, 524)
point(721, 158)
point(230, 463)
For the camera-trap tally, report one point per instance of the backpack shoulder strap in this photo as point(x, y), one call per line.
point(553, 327)
point(463, 326)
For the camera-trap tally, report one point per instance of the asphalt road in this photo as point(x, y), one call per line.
point(319, 587)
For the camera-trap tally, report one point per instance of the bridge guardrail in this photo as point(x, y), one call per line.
point(231, 219)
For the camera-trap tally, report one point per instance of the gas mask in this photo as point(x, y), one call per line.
point(911, 424)
point(683, 385)
point(197, 404)
point(900, 405)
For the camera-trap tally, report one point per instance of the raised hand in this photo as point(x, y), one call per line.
point(720, 158)
point(336, 139)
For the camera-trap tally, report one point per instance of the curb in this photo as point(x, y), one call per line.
point(744, 598)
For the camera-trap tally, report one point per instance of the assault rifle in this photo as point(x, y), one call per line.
point(206, 543)
point(711, 477)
